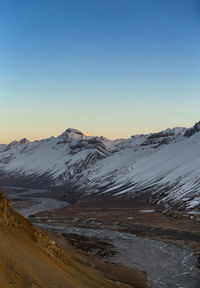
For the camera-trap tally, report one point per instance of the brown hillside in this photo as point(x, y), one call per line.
point(30, 259)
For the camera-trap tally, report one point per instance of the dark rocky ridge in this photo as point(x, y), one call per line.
point(191, 131)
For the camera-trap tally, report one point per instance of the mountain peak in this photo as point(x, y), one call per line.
point(23, 141)
point(15, 142)
point(72, 133)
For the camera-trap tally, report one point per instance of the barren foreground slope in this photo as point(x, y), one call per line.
point(29, 258)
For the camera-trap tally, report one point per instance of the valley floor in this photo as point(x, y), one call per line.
point(123, 232)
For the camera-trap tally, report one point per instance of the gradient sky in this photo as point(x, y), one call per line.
point(107, 67)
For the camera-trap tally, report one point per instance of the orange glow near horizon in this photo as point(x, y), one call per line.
point(9, 134)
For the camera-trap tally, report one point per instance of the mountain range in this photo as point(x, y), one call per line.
point(162, 168)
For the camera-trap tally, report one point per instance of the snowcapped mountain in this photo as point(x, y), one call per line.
point(162, 167)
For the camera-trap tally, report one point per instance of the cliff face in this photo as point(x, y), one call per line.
point(4, 211)
point(27, 255)
point(13, 222)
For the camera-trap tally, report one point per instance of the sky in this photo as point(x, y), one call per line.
point(106, 67)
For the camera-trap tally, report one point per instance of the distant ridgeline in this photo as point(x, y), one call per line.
point(161, 167)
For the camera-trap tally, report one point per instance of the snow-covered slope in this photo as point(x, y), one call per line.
point(163, 167)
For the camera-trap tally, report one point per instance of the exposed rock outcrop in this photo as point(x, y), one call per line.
point(191, 131)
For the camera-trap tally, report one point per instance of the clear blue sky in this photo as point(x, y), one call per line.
point(106, 67)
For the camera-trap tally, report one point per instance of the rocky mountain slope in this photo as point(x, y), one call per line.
point(162, 167)
point(29, 258)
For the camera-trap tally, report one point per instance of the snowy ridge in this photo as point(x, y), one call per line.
point(165, 165)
